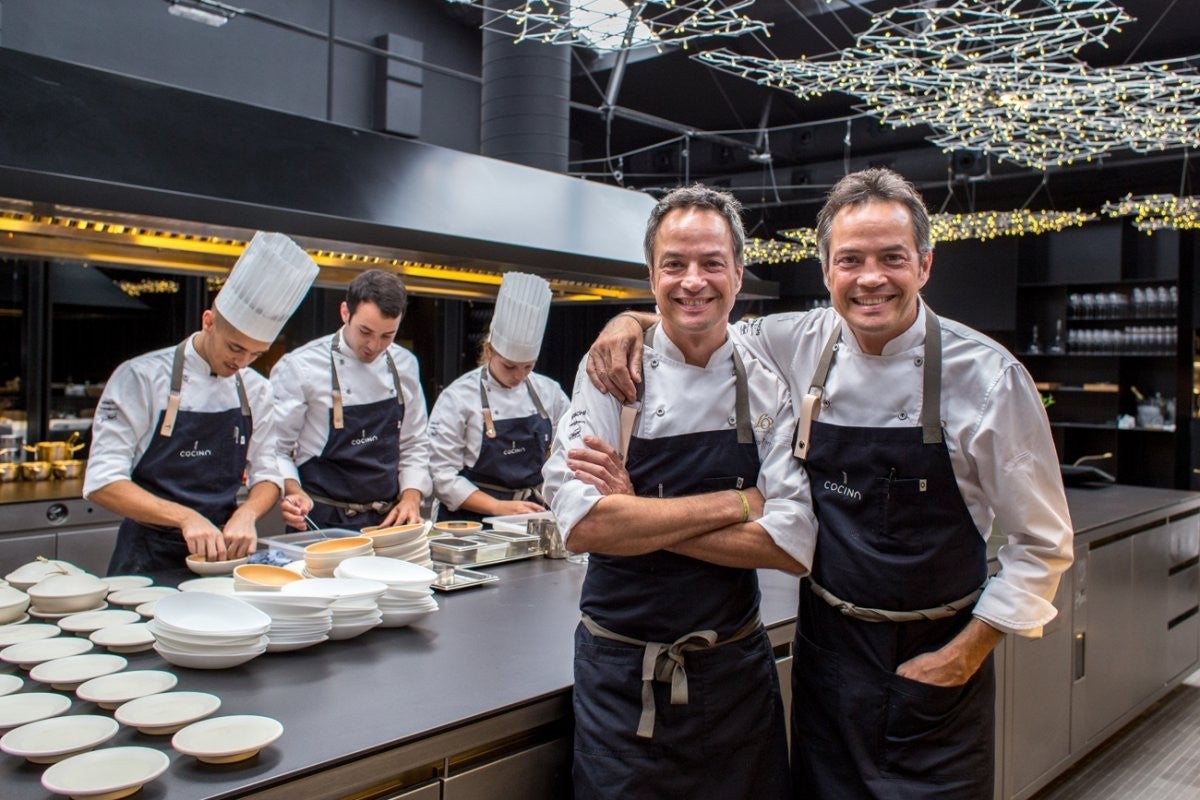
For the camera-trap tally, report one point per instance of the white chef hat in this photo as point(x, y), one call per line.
point(266, 284)
point(522, 307)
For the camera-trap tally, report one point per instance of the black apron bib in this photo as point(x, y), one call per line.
point(196, 459)
point(895, 534)
point(511, 455)
point(729, 740)
point(360, 460)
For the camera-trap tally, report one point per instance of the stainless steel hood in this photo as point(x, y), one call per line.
point(110, 169)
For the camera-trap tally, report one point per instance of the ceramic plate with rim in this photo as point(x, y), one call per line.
point(34, 612)
point(27, 654)
point(146, 609)
point(111, 773)
point(119, 583)
point(216, 585)
point(132, 638)
point(166, 712)
point(111, 691)
point(67, 673)
point(135, 597)
point(10, 684)
point(15, 622)
point(16, 634)
point(49, 740)
point(21, 709)
point(88, 621)
point(221, 740)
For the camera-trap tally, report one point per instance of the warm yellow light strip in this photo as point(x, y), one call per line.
point(774, 251)
point(1156, 212)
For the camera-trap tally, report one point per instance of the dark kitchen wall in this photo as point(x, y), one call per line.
point(264, 63)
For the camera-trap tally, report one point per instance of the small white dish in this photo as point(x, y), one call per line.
point(27, 575)
point(166, 712)
point(106, 774)
point(211, 614)
point(15, 634)
point(201, 566)
point(111, 691)
point(65, 674)
point(223, 740)
point(146, 609)
point(49, 740)
point(26, 707)
point(209, 660)
point(10, 684)
point(16, 622)
point(57, 615)
point(28, 654)
point(216, 585)
point(119, 583)
point(58, 593)
point(144, 594)
point(386, 570)
point(89, 621)
point(132, 638)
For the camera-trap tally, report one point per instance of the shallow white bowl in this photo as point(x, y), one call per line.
point(133, 638)
point(337, 588)
point(59, 593)
point(208, 659)
point(222, 740)
point(57, 615)
point(111, 691)
point(458, 526)
point(146, 609)
point(143, 594)
point(25, 707)
point(111, 773)
point(386, 570)
point(400, 619)
point(395, 535)
point(89, 621)
point(27, 575)
point(166, 712)
point(215, 585)
point(27, 654)
point(10, 684)
point(66, 674)
point(51, 740)
point(13, 603)
point(213, 614)
point(119, 583)
point(201, 566)
point(15, 634)
point(286, 606)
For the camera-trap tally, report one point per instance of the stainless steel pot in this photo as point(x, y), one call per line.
point(67, 468)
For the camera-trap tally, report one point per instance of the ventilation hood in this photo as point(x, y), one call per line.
point(105, 168)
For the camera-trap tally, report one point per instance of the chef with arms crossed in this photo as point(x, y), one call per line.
point(177, 428)
point(351, 416)
point(490, 430)
point(676, 690)
point(928, 432)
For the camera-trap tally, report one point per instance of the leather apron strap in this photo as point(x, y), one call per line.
point(847, 608)
point(168, 423)
point(489, 426)
point(664, 663)
point(339, 421)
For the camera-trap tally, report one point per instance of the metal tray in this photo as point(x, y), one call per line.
point(462, 579)
point(477, 549)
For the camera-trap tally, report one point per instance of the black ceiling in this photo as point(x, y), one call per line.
point(685, 94)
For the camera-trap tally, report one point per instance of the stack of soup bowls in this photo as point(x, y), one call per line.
point(261, 578)
point(208, 631)
point(27, 575)
point(354, 604)
point(296, 620)
point(408, 596)
point(403, 542)
point(321, 558)
point(67, 594)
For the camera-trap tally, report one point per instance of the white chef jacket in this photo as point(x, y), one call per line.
point(304, 396)
point(456, 425)
point(679, 399)
point(135, 396)
point(996, 430)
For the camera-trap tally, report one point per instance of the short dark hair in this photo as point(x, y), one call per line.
point(866, 186)
point(697, 196)
point(383, 288)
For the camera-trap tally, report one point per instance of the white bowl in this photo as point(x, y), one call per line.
point(222, 740)
point(201, 566)
point(110, 773)
point(65, 674)
point(111, 691)
point(458, 526)
point(286, 606)
point(400, 619)
point(395, 535)
point(146, 609)
point(261, 577)
point(10, 684)
point(212, 614)
point(119, 583)
point(166, 712)
point(15, 634)
point(336, 588)
point(133, 638)
point(386, 570)
point(89, 621)
point(13, 603)
point(34, 611)
point(222, 584)
point(142, 594)
point(27, 575)
point(208, 659)
point(28, 654)
point(51, 740)
point(26, 707)
point(59, 593)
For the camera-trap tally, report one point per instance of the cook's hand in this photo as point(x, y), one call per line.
point(407, 511)
point(614, 363)
point(295, 506)
point(203, 538)
point(599, 465)
point(240, 536)
point(957, 660)
point(506, 507)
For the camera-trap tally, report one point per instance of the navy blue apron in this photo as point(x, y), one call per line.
point(511, 455)
point(895, 534)
point(354, 482)
point(728, 741)
point(196, 459)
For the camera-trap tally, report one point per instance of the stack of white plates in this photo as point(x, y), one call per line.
point(208, 631)
point(221, 584)
point(355, 602)
point(320, 558)
point(296, 621)
point(119, 583)
point(403, 542)
point(408, 596)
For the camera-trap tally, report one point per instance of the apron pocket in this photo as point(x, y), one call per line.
point(608, 700)
point(816, 697)
point(935, 732)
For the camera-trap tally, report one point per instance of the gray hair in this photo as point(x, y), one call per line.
point(697, 196)
point(870, 185)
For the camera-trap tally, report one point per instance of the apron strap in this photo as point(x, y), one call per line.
point(664, 663)
point(172, 412)
point(810, 405)
point(847, 608)
point(353, 509)
point(339, 420)
point(489, 425)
